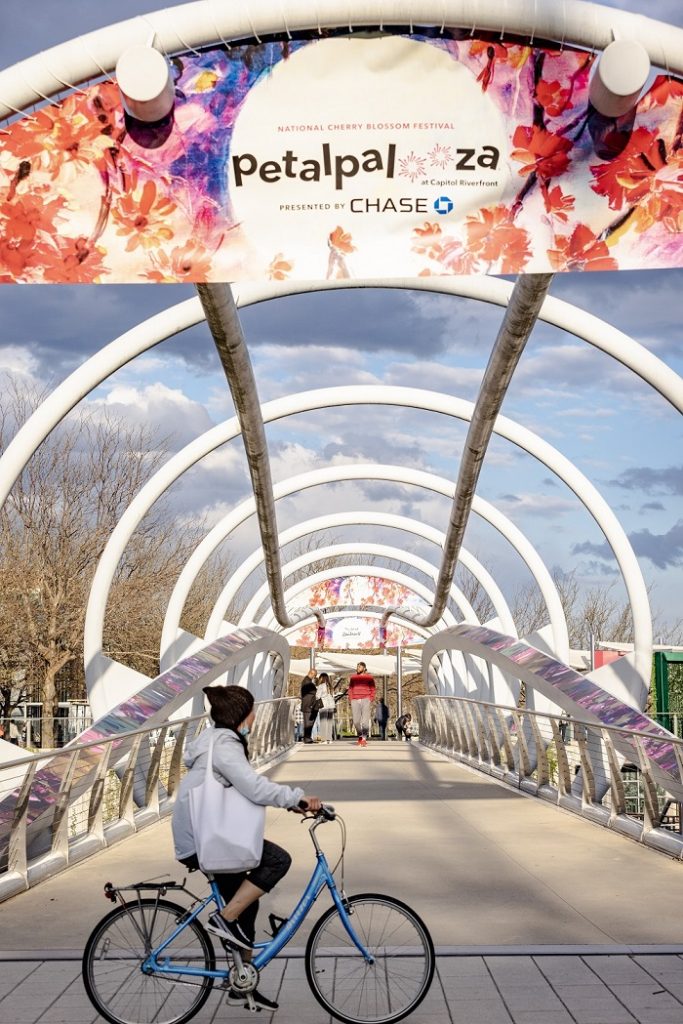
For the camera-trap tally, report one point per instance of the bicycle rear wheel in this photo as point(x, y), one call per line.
point(118, 947)
point(356, 992)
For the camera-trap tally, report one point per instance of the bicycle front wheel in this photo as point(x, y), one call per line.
point(116, 950)
point(390, 988)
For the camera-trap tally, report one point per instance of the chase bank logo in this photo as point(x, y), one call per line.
point(443, 205)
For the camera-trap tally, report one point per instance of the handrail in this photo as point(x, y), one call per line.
point(105, 789)
point(573, 763)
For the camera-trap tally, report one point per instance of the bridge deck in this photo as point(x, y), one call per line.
point(485, 867)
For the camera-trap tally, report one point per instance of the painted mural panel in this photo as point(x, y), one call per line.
point(413, 155)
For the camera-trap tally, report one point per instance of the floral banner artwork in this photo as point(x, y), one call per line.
point(353, 608)
point(346, 157)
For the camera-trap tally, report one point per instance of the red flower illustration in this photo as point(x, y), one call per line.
point(557, 203)
point(189, 262)
point(280, 268)
point(341, 241)
point(540, 151)
point(81, 263)
point(553, 98)
point(143, 215)
point(631, 174)
point(512, 53)
point(427, 239)
point(581, 250)
point(492, 235)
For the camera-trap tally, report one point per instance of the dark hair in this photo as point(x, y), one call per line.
point(324, 678)
point(363, 664)
point(230, 705)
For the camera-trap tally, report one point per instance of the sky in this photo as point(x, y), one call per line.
point(618, 431)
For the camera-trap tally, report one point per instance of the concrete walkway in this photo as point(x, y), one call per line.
point(538, 917)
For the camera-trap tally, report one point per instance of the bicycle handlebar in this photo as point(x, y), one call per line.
point(327, 811)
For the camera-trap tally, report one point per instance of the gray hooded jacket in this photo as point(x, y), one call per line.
point(231, 767)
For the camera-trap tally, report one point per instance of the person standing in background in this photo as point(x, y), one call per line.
point(382, 717)
point(361, 693)
point(324, 695)
point(310, 713)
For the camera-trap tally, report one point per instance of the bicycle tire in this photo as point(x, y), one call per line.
point(355, 992)
point(113, 991)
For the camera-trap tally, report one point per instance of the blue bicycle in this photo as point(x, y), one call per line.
point(369, 959)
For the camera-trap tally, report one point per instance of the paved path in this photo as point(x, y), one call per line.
point(491, 871)
point(466, 990)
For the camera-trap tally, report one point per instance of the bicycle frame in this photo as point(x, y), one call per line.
point(264, 952)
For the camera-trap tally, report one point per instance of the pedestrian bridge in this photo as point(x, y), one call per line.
point(536, 914)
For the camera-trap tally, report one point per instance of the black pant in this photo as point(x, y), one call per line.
point(274, 865)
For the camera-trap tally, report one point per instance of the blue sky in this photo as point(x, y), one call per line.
point(623, 436)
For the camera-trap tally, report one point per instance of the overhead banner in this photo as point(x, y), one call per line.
point(348, 603)
point(342, 158)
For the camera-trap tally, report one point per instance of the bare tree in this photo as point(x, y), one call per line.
point(53, 529)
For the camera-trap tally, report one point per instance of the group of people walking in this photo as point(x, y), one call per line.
point(319, 701)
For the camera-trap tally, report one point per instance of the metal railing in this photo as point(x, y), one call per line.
point(105, 790)
point(578, 765)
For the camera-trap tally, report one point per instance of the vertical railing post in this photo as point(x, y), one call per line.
point(17, 853)
point(152, 782)
point(60, 820)
point(126, 803)
point(96, 803)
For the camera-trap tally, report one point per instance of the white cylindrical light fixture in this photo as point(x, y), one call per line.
point(621, 73)
point(145, 83)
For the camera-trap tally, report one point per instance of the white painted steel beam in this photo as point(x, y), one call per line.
point(465, 668)
point(186, 26)
point(252, 609)
point(337, 474)
point(360, 518)
point(173, 321)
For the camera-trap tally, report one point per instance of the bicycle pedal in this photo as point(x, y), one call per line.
point(276, 924)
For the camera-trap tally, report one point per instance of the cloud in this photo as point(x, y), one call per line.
point(668, 480)
point(663, 549)
point(652, 506)
point(166, 410)
point(366, 319)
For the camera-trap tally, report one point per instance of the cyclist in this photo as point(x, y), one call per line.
point(232, 713)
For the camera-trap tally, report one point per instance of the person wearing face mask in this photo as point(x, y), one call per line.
point(232, 713)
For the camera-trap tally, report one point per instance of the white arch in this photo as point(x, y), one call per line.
point(526, 439)
point(177, 29)
point(604, 337)
point(360, 518)
point(384, 551)
point(469, 668)
point(184, 315)
point(396, 474)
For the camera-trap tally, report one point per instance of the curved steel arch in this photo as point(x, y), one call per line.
point(151, 332)
point(358, 548)
point(418, 588)
point(480, 680)
point(359, 472)
point(359, 518)
point(198, 24)
point(526, 439)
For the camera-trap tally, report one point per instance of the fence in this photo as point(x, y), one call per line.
point(59, 808)
point(609, 775)
point(27, 731)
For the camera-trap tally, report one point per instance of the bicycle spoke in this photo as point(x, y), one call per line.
point(392, 985)
point(114, 957)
